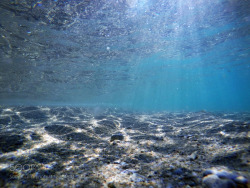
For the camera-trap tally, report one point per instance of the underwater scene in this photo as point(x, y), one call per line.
point(125, 93)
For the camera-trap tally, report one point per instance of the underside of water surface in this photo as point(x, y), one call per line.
point(148, 55)
point(125, 93)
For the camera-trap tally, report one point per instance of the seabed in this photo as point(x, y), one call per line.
point(82, 147)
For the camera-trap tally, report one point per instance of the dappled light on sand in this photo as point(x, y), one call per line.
point(43, 146)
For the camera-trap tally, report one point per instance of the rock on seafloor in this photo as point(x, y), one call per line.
point(116, 137)
point(214, 178)
point(11, 142)
point(213, 181)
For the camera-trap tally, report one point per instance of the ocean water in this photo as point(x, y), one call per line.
point(144, 55)
point(125, 93)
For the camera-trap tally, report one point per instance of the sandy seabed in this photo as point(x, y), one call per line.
point(80, 147)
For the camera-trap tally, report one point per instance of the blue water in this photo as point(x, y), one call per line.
point(138, 55)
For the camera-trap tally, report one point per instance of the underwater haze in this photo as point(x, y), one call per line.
point(146, 55)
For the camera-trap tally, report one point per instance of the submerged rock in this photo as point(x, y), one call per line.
point(35, 136)
point(214, 178)
point(10, 143)
point(116, 137)
point(111, 185)
point(241, 180)
point(193, 156)
point(213, 181)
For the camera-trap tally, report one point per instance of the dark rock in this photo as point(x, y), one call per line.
point(35, 136)
point(213, 181)
point(111, 185)
point(207, 172)
point(193, 156)
point(5, 176)
point(10, 143)
point(224, 175)
point(127, 166)
point(116, 137)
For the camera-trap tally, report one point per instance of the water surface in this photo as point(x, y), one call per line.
point(138, 55)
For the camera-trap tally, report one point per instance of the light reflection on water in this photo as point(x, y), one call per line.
point(148, 55)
